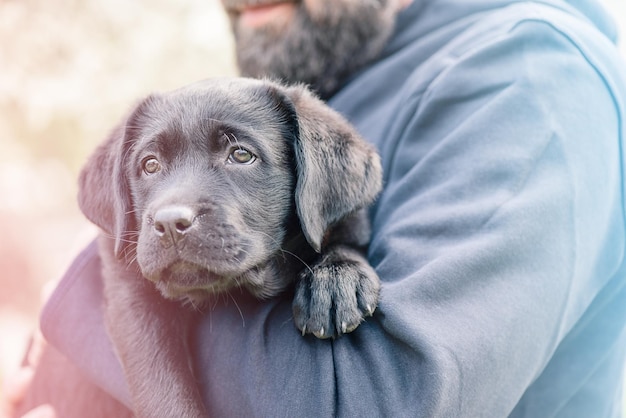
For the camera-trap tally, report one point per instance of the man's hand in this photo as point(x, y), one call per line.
point(16, 386)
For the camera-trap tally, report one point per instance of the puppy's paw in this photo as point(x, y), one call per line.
point(335, 294)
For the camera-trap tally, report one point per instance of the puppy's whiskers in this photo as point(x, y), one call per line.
point(243, 320)
point(133, 211)
point(283, 252)
point(190, 302)
point(132, 260)
point(128, 241)
point(131, 240)
point(297, 258)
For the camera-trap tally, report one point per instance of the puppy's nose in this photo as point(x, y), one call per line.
point(173, 222)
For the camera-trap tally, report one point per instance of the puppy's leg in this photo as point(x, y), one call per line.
point(149, 334)
point(336, 293)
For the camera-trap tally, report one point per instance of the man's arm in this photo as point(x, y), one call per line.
point(500, 223)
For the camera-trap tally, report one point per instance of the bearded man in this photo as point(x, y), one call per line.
point(499, 236)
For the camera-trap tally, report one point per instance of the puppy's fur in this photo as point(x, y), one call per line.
point(228, 183)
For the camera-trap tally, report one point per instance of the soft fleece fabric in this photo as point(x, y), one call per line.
point(500, 236)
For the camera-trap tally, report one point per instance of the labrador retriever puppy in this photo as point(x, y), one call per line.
point(226, 184)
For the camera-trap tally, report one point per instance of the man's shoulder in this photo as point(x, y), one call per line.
point(528, 42)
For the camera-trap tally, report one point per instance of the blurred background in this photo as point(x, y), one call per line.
point(69, 70)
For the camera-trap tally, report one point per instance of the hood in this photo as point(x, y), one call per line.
point(596, 13)
point(443, 12)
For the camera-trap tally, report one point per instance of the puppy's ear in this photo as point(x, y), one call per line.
point(104, 194)
point(338, 172)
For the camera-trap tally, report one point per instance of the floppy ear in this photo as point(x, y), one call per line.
point(104, 194)
point(338, 172)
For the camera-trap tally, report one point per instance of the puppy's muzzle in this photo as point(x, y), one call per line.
point(172, 223)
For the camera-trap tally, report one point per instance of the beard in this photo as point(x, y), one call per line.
point(320, 46)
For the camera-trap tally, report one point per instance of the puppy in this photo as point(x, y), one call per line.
point(227, 183)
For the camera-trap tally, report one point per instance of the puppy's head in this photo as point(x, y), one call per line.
point(200, 185)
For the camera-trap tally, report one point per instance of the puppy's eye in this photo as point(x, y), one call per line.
point(241, 156)
point(150, 165)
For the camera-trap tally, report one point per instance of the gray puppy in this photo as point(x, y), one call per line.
point(225, 184)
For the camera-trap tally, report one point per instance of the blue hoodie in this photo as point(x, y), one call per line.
point(499, 237)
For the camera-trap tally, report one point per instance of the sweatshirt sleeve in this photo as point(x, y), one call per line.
point(501, 220)
point(500, 223)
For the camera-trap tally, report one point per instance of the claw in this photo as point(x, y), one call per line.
point(344, 327)
point(320, 333)
point(304, 330)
